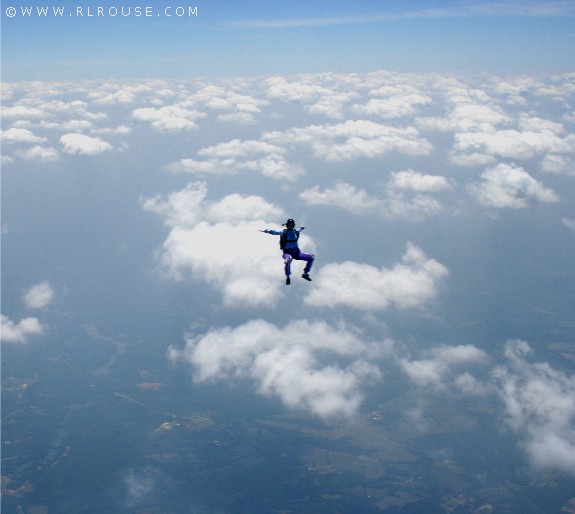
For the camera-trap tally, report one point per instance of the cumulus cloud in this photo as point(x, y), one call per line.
point(466, 117)
point(569, 223)
point(540, 406)
point(410, 180)
point(236, 156)
point(559, 164)
point(533, 137)
point(21, 112)
point(409, 284)
point(39, 296)
point(343, 195)
point(188, 207)
point(20, 135)
point(509, 186)
point(19, 332)
point(405, 197)
point(300, 363)
point(173, 118)
point(432, 372)
point(38, 153)
point(218, 241)
point(232, 106)
point(138, 485)
point(80, 144)
point(393, 107)
point(354, 139)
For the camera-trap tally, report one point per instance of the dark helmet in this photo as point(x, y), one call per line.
point(290, 221)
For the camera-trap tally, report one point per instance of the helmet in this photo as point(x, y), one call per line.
point(290, 221)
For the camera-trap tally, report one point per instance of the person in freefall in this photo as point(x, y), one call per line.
point(290, 249)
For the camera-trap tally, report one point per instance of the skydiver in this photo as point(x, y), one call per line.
point(290, 249)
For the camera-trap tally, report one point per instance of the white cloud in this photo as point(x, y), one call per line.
point(509, 186)
point(242, 263)
point(23, 112)
point(411, 208)
point(509, 144)
point(569, 223)
point(466, 117)
point(409, 284)
point(400, 201)
point(236, 156)
point(19, 332)
point(410, 180)
point(559, 164)
point(138, 485)
point(540, 406)
point(38, 153)
point(219, 242)
point(235, 107)
point(80, 144)
point(343, 195)
point(181, 208)
point(39, 296)
point(287, 362)
point(173, 118)
point(354, 139)
point(20, 135)
point(186, 208)
point(434, 371)
point(394, 107)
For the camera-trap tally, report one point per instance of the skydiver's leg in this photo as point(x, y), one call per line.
point(287, 264)
point(308, 257)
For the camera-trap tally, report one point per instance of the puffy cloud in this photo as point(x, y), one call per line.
point(219, 242)
point(139, 485)
point(279, 87)
point(235, 258)
point(19, 332)
point(80, 144)
point(399, 203)
point(553, 163)
point(569, 223)
point(540, 406)
point(287, 362)
point(235, 107)
point(20, 135)
point(173, 118)
point(466, 117)
point(189, 206)
point(22, 112)
point(410, 180)
point(38, 153)
point(409, 284)
point(354, 139)
point(181, 208)
point(343, 195)
point(411, 208)
point(39, 296)
point(434, 371)
point(508, 186)
point(236, 156)
point(394, 107)
point(534, 136)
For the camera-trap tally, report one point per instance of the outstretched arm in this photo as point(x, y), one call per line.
point(273, 232)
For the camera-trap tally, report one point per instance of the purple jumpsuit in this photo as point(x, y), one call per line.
point(291, 250)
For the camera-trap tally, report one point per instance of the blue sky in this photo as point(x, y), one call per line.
point(428, 149)
point(258, 37)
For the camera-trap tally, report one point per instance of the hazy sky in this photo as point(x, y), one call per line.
point(140, 156)
point(70, 40)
